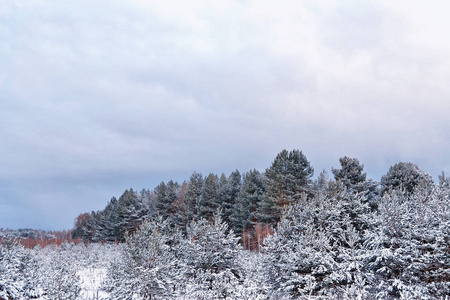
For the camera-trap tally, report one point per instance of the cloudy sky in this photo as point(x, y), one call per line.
point(100, 96)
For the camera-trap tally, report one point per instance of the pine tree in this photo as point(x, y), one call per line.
point(11, 285)
point(207, 204)
point(351, 175)
point(410, 246)
point(318, 246)
point(105, 222)
point(180, 208)
point(351, 172)
point(211, 255)
point(193, 196)
point(147, 268)
point(246, 209)
point(59, 278)
point(128, 214)
point(288, 178)
point(406, 177)
point(234, 188)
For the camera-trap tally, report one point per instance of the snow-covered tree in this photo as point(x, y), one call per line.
point(317, 248)
point(11, 279)
point(351, 175)
point(58, 273)
point(148, 267)
point(211, 257)
point(410, 244)
point(405, 177)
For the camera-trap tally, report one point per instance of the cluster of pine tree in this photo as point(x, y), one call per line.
point(253, 201)
point(342, 238)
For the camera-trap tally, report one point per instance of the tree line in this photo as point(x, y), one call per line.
point(251, 203)
point(346, 237)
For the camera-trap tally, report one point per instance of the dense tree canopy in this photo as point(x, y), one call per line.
point(334, 239)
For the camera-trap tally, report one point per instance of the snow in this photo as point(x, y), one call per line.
point(90, 282)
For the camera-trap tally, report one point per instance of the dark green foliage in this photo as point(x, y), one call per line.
point(247, 206)
point(288, 178)
point(193, 195)
point(105, 221)
point(84, 227)
point(351, 175)
point(228, 192)
point(207, 205)
point(351, 172)
point(405, 176)
point(166, 196)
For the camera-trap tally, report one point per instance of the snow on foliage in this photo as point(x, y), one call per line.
point(348, 238)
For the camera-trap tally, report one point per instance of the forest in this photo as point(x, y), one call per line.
point(273, 234)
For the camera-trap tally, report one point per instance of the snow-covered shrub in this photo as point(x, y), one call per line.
point(58, 273)
point(211, 257)
point(147, 267)
point(11, 277)
point(410, 245)
point(317, 249)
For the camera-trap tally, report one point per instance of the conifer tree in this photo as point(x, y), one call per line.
point(351, 172)
point(58, 273)
point(147, 268)
point(207, 204)
point(10, 265)
point(288, 178)
point(406, 177)
point(246, 208)
point(228, 191)
point(193, 195)
point(318, 246)
point(105, 222)
point(128, 217)
point(211, 255)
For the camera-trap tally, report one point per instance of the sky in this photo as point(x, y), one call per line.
point(99, 96)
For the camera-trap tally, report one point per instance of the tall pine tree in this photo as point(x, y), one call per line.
point(288, 178)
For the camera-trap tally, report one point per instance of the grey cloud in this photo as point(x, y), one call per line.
point(99, 97)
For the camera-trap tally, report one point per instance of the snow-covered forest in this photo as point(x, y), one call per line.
point(277, 234)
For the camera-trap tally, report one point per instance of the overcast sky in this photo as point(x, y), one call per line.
point(97, 96)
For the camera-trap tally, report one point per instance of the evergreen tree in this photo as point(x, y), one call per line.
point(322, 183)
point(234, 184)
point(11, 285)
point(351, 175)
point(406, 177)
point(211, 255)
point(193, 196)
point(128, 214)
point(228, 191)
point(351, 172)
point(318, 246)
point(410, 244)
point(288, 178)
point(181, 210)
point(246, 208)
point(105, 222)
point(58, 274)
point(207, 204)
point(147, 268)
point(31, 274)
point(161, 197)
